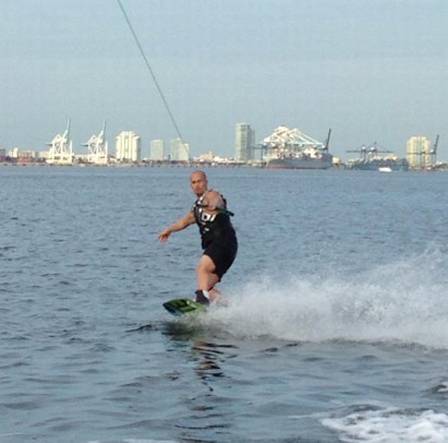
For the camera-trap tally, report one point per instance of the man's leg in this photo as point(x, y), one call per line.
point(207, 279)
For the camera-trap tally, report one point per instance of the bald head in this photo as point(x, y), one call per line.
point(198, 172)
point(198, 181)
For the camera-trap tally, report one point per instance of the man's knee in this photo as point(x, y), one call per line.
point(205, 265)
point(206, 269)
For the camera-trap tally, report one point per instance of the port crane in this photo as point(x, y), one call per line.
point(433, 151)
point(367, 152)
point(61, 150)
point(97, 147)
point(265, 147)
point(327, 142)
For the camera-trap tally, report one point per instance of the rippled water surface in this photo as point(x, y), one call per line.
point(335, 330)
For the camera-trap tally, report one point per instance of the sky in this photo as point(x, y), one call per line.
point(372, 70)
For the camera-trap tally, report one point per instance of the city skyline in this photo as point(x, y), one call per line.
point(170, 150)
point(357, 67)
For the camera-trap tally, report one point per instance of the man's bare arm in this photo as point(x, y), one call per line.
point(178, 226)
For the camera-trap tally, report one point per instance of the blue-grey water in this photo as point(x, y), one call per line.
point(336, 328)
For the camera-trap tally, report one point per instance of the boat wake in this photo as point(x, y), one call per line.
point(404, 302)
point(390, 424)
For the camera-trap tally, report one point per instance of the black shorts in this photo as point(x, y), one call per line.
point(222, 255)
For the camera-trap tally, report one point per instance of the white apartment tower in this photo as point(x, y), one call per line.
point(418, 152)
point(128, 146)
point(244, 142)
point(157, 150)
point(180, 150)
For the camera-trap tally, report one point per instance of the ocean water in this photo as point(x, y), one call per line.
point(335, 330)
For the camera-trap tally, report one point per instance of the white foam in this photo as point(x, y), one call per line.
point(404, 301)
point(137, 440)
point(133, 440)
point(390, 425)
point(442, 388)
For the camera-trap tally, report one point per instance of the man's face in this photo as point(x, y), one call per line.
point(198, 183)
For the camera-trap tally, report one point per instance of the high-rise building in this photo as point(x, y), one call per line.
point(180, 150)
point(418, 152)
point(128, 146)
point(244, 142)
point(14, 153)
point(157, 150)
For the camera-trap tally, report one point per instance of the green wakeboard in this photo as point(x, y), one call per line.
point(183, 306)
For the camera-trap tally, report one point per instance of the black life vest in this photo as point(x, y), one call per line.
point(213, 227)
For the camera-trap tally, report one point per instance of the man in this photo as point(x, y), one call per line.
point(218, 237)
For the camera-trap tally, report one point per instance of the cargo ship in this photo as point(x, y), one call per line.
point(379, 163)
point(322, 160)
point(292, 149)
point(371, 160)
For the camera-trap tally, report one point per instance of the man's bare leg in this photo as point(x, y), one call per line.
point(206, 277)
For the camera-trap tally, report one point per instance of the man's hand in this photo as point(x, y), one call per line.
point(178, 226)
point(163, 236)
point(213, 201)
